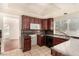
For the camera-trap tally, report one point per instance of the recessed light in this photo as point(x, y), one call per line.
point(65, 13)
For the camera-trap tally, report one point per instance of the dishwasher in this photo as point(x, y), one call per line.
point(33, 39)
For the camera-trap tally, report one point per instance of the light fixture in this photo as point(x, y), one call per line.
point(65, 13)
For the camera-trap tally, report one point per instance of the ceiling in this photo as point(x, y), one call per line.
point(40, 10)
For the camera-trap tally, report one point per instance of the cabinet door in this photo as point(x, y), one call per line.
point(40, 22)
point(44, 24)
point(39, 40)
point(32, 20)
point(50, 23)
point(25, 23)
point(27, 44)
point(36, 20)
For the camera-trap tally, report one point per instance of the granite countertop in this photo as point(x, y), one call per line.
point(43, 34)
point(64, 35)
point(59, 36)
point(55, 35)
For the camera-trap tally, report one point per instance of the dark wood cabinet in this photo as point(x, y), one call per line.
point(36, 21)
point(25, 23)
point(50, 23)
point(27, 43)
point(40, 40)
point(47, 24)
point(44, 24)
point(57, 40)
point(32, 20)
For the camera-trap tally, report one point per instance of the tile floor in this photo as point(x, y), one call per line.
point(35, 51)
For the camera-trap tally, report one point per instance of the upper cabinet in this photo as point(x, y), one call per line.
point(32, 20)
point(45, 24)
point(25, 23)
point(50, 23)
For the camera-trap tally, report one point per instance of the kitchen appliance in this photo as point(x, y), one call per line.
point(49, 38)
point(49, 41)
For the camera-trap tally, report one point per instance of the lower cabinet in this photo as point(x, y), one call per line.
point(40, 40)
point(27, 43)
point(49, 41)
point(57, 40)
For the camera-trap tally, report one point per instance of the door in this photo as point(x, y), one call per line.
point(11, 32)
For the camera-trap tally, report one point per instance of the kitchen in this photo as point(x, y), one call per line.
point(23, 31)
point(32, 26)
point(42, 35)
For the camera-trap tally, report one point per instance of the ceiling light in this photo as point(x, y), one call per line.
point(65, 13)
